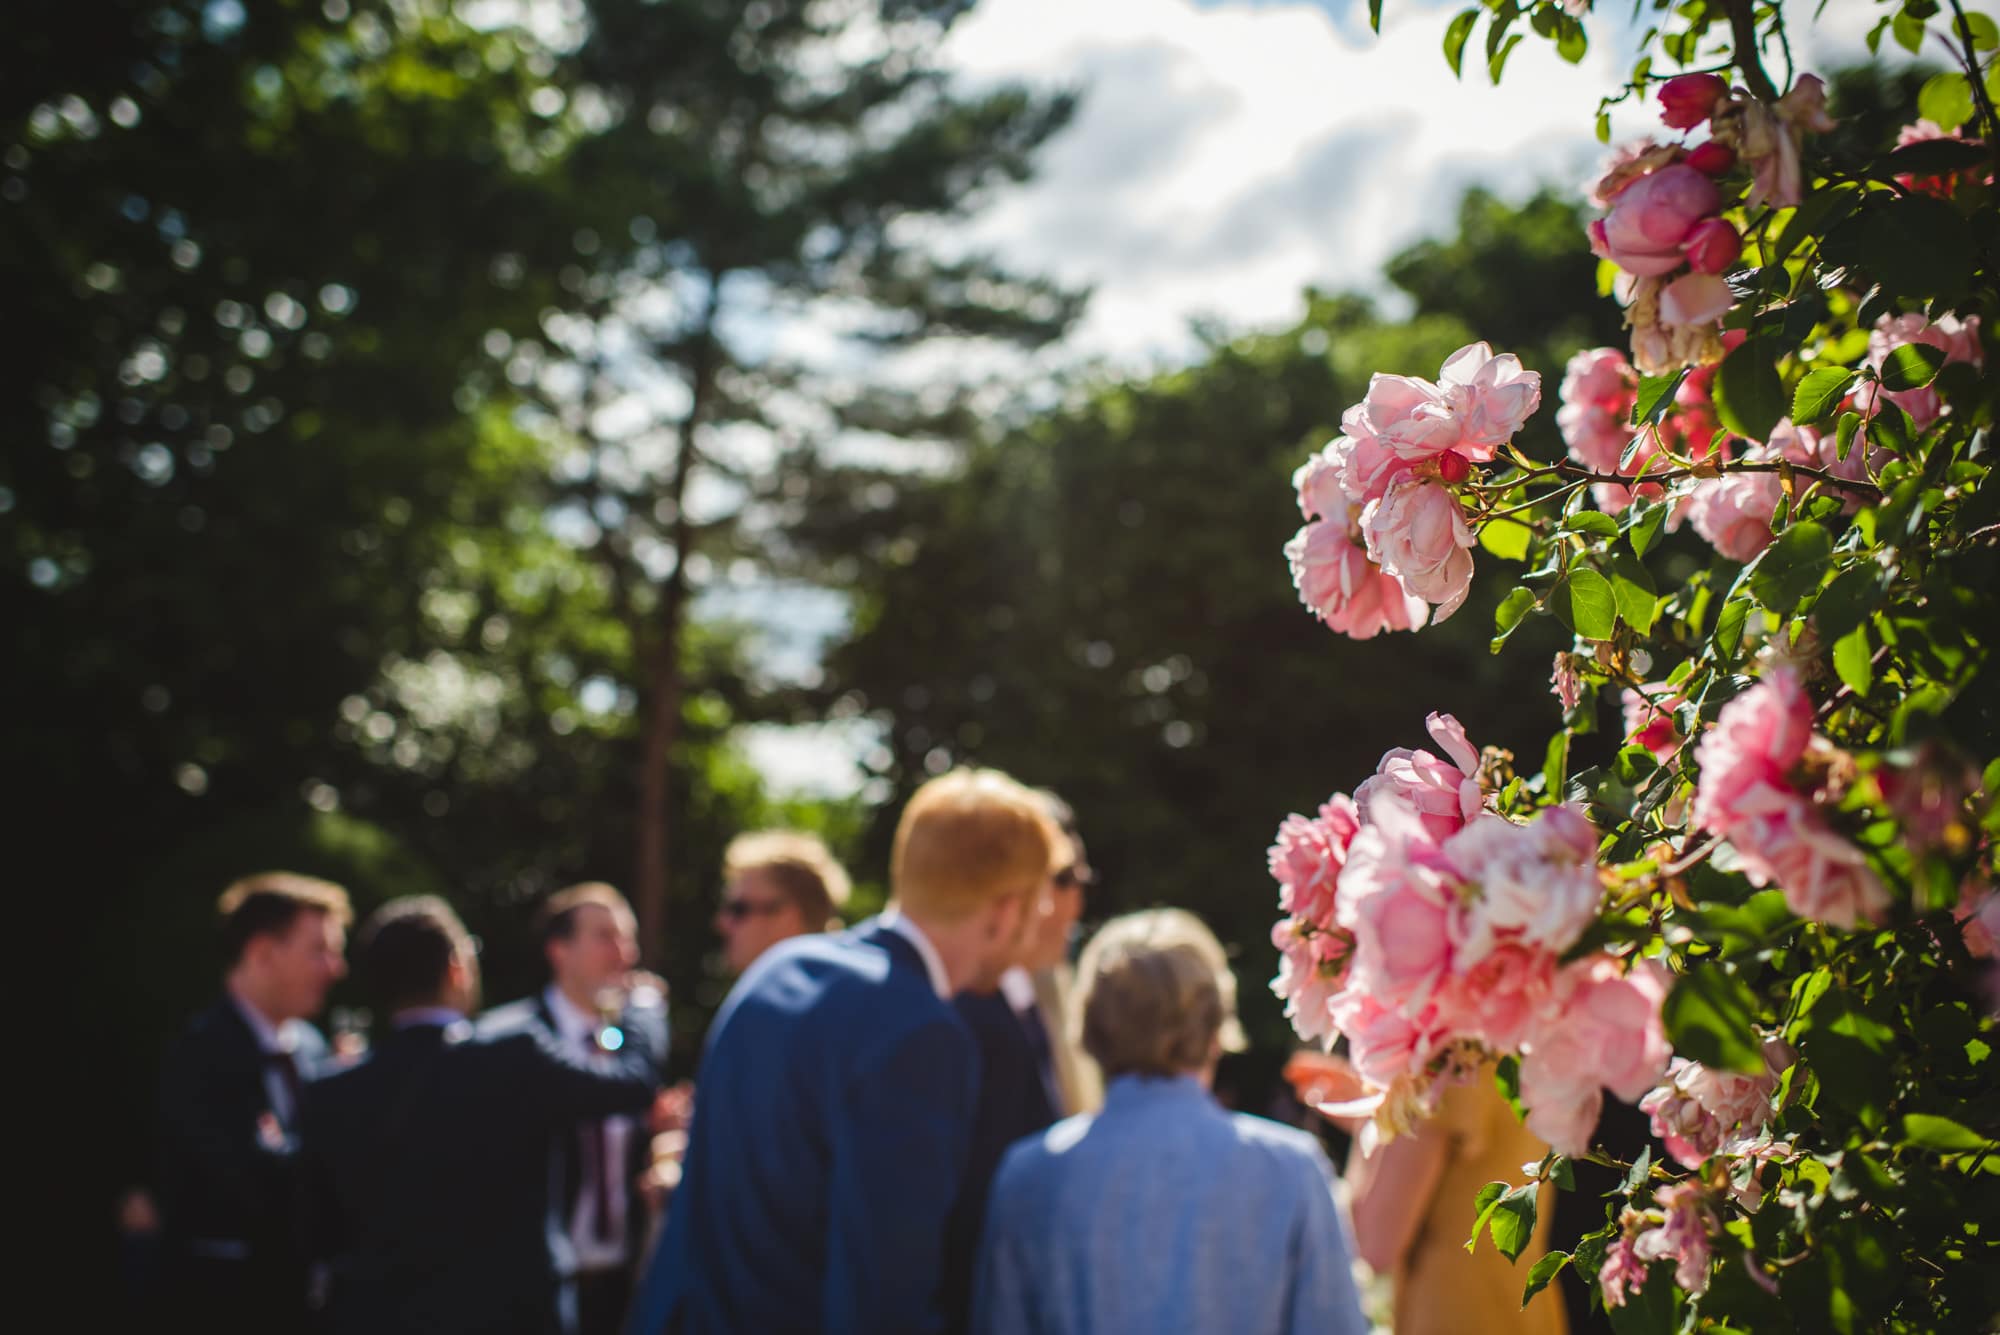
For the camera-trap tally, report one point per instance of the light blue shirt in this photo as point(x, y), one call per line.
point(1162, 1213)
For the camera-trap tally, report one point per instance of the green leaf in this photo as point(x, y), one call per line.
point(1542, 1272)
point(1513, 608)
point(1852, 660)
point(1632, 587)
point(1791, 567)
point(1482, 1208)
point(1729, 626)
point(1594, 523)
point(1498, 62)
point(1846, 602)
point(1656, 395)
point(1914, 245)
point(1555, 765)
point(1572, 44)
point(1908, 31)
point(1647, 517)
point(1455, 38)
point(1928, 1132)
point(1819, 392)
point(1711, 1018)
point(1749, 395)
point(1506, 539)
point(1911, 366)
point(1850, 422)
point(1512, 1222)
point(1375, 16)
point(1592, 604)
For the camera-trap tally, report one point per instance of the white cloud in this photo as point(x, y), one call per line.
point(1225, 157)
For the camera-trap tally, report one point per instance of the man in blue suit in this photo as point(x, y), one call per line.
point(839, 1087)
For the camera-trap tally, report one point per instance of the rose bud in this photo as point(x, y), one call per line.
point(1711, 158)
point(1689, 99)
point(1713, 247)
point(1453, 467)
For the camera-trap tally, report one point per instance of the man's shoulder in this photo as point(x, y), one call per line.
point(214, 1036)
point(511, 1018)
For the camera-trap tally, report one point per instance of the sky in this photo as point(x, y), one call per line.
point(1227, 155)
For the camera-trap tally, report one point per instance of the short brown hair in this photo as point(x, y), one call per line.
point(268, 903)
point(406, 949)
point(799, 864)
point(555, 920)
point(967, 838)
point(1155, 995)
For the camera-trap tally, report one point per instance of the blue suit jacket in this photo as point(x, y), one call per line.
point(830, 1134)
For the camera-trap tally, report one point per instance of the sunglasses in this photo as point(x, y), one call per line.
point(1072, 877)
point(736, 910)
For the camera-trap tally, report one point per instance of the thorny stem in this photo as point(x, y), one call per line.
point(1743, 33)
point(1583, 475)
point(1988, 117)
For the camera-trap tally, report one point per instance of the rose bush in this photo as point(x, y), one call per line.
point(1762, 905)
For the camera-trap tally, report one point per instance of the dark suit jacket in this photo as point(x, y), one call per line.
point(645, 1026)
point(1015, 1100)
point(831, 1124)
point(228, 1179)
point(427, 1177)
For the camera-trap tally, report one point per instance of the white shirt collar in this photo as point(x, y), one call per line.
point(1018, 986)
point(572, 1022)
point(894, 921)
point(270, 1037)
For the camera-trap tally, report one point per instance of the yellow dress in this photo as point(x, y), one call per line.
point(1439, 1290)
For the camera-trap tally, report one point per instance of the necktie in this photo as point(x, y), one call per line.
point(597, 1168)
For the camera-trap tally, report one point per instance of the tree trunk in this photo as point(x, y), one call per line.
point(661, 675)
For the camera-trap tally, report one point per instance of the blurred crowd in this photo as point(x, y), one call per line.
point(926, 1122)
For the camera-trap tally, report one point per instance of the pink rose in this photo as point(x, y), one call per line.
point(1805, 105)
point(1406, 415)
point(1492, 396)
point(1682, 1238)
point(1536, 884)
point(1346, 590)
point(1498, 1000)
point(1601, 1030)
point(1688, 99)
point(1713, 247)
point(1307, 858)
point(1564, 681)
point(1757, 739)
point(1445, 795)
point(1957, 339)
point(1945, 186)
point(1699, 1112)
point(1395, 898)
point(1384, 1042)
point(1977, 914)
point(1417, 532)
point(1734, 512)
point(1651, 218)
point(1622, 1274)
point(1711, 158)
point(1318, 484)
point(1823, 876)
point(1695, 298)
point(1311, 969)
point(1650, 718)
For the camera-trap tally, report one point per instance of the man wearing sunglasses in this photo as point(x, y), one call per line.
point(777, 884)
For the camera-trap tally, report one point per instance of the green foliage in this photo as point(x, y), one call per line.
point(1868, 1204)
